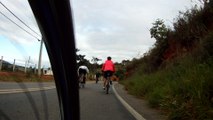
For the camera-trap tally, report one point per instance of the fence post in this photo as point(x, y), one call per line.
point(1, 62)
point(35, 69)
point(43, 71)
point(25, 68)
point(14, 65)
point(26, 65)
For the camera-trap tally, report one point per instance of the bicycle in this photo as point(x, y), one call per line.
point(108, 83)
point(81, 81)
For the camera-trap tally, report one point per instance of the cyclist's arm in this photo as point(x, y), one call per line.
point(87, 70)
point(78, 72)
point(103, 66)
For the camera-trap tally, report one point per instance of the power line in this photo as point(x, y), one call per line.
point(18, 18)
point(18, 25)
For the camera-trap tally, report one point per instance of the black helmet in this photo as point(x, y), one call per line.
point(109, 58)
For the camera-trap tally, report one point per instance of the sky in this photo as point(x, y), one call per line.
point(116, 28)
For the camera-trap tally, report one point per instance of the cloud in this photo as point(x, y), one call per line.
point(120, 28)
point(117, 28)
point(12, 31)
point(21, 44)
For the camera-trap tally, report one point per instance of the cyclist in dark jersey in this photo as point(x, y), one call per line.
point(97, 76)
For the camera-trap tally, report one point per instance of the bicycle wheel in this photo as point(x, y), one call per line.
point(107, 85)
point(81, 81)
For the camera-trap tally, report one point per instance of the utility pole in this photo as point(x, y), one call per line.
point(40, 56)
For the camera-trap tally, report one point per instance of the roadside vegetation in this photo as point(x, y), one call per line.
point(176, 75)
point(6, 76)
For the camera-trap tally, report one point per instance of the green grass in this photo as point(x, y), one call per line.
point(178, 77)
point(184, 89)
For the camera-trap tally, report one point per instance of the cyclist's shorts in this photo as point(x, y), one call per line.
point(107, 74)
point(82, 71)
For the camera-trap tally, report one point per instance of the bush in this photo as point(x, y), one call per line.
point(182, 84)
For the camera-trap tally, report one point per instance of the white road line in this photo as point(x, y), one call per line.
point(128, 107)
point(8, 91)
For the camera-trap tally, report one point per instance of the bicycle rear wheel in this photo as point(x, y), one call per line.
point(107, 85)
point(81, 84)
point(107, 89)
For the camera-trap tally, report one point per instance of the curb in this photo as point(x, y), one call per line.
point(127, 106)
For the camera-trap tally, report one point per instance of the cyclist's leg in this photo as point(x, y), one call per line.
point(97, 78)
point(83, 75)
point(111, 73)
point(104, 85)
point(109, 76)
point(80, 80)
point(108, 82)
point(83, 78)
point(104, 79)
point(80, 75)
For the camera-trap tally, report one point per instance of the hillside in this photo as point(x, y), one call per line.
point(176, 74)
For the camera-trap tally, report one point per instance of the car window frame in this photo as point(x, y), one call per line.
point(54, 18)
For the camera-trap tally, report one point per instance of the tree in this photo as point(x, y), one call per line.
point(95, 65)
point(159, 31)
point(155, 55)
point(81, 59)
point(95, 60)
point(125, 62)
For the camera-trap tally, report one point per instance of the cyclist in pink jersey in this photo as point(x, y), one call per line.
point(108, 68)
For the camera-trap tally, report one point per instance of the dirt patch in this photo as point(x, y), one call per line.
point(23, 77)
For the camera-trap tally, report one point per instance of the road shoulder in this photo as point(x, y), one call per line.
point(139, 105)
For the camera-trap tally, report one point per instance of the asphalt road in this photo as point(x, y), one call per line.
point(37, 105)
point(43, 105)
point(97, 105)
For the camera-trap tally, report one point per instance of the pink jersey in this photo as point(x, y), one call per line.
point(108, 65)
